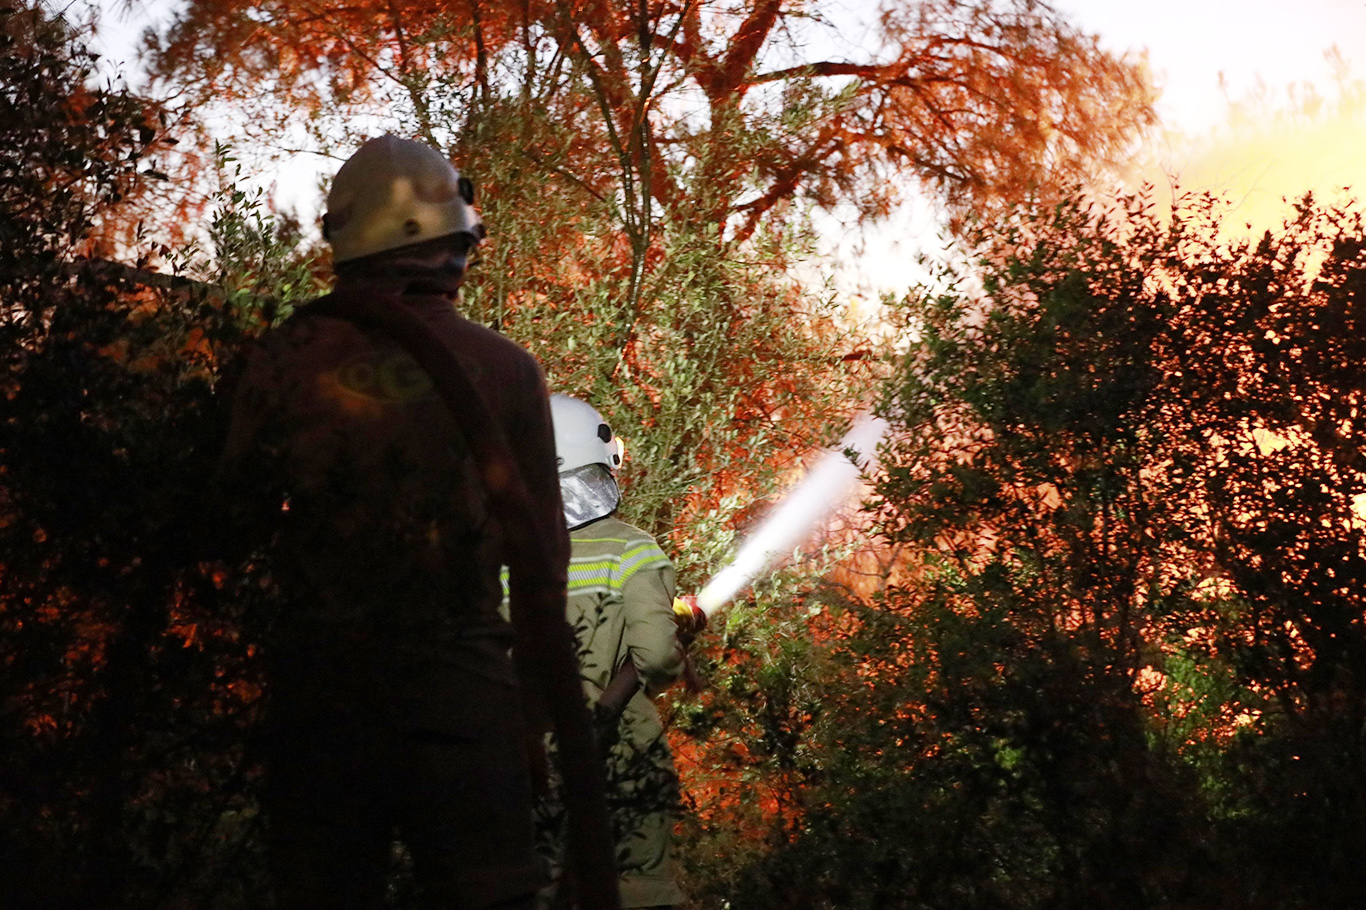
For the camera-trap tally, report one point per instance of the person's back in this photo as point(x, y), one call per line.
point(620, 606)
point(384, 502)
point(621, 591)
point(387, 529)
point(394, 702)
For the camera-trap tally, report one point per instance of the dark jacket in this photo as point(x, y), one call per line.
point(388, 551)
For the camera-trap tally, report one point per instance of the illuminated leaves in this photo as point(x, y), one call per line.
point(1128, 474)
point(716, 111)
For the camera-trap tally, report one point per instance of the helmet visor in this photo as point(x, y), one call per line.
point(589, 493)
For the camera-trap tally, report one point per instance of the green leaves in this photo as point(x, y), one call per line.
point(1114, 657)
point(127, 665)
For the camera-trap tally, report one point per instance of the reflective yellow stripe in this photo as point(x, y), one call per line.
point(644, 556)
point(607, 572)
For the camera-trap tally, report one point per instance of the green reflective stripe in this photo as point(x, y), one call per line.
point(606, 572)
point(602, 565)
point(600, 576)
point(641, 551)
point(592, 567)
point(591, 574)
point(652, 564)
point(644, 556)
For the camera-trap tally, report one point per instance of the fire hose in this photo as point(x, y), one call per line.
point(625, 683)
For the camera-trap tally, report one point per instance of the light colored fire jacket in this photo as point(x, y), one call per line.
point(620, 605)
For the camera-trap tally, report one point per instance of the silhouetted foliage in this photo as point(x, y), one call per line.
point(1113, 656)
point(127, 670)
point(1117, 658)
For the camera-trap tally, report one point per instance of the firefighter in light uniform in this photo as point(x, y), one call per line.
point(394, 702)
point(620, 604)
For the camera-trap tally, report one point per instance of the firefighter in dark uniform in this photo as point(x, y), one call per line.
point(395, 706)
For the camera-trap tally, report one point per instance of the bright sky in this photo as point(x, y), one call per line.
point(1190, 43)
point(1204, 54)
point(1207, 53)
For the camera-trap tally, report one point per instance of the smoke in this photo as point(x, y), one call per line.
point(824, 489)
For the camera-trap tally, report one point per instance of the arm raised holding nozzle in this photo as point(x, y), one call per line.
point(689, 622)
point(826, 487)
point(621, 605)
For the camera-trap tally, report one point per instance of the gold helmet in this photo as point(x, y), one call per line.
point(393, 193)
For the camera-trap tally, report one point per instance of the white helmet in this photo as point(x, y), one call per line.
point(395, 192)
point(589, 456)
point(582, 437)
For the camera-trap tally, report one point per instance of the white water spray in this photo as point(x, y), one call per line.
point(825, 488)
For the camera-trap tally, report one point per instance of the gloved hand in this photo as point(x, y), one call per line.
point(689, 618)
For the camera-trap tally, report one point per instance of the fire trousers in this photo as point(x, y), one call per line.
point(343, 781)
